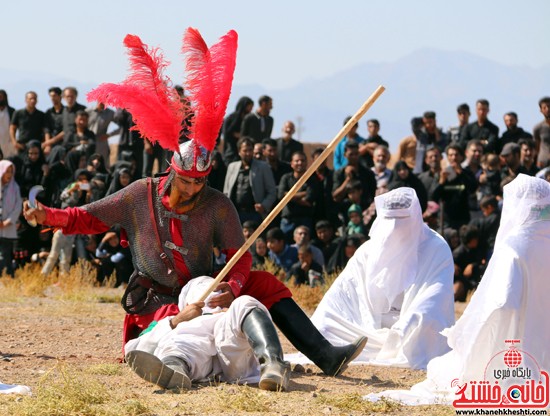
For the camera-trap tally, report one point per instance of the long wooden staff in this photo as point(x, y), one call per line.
point(282, 203)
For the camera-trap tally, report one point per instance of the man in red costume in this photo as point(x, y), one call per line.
point(174, 221)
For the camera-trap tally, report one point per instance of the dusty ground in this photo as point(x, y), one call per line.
point(48, 343)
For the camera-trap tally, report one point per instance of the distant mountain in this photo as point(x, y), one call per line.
point(427, 79)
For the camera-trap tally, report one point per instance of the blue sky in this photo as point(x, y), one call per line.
point(281, 43)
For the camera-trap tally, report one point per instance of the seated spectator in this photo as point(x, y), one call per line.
point(468, 262)
point(31, 170)
point(347, 247)
point(82, 138)
point(489, 180)
point(451, 237)
point(280, 252)
point(248, 228)
point(259, 254)
point(403, 177)
point(114, 257)
point(511, 156)
point(355, 224)
point(306, 271)
point(326, 239)
point(121, 179)
point(302, 236)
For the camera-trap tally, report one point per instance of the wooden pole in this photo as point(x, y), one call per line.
point(283, 202)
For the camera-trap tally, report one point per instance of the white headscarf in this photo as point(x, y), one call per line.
point(395, 236)
point(11, 192)
point(193, 290)
point(526, 200)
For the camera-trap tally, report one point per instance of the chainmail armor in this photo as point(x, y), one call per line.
point(213, 221)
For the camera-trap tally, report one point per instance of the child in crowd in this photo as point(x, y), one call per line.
point(355, 224)
point(489, 180)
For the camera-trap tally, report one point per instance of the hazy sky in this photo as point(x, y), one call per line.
point(281, 42)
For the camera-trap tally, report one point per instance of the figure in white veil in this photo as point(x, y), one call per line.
point(397, 289)
point(511, 303)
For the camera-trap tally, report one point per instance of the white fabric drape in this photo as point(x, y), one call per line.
point(397, 290)
point(511, 301)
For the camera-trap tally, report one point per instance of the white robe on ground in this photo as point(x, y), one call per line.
point(511, 301)
point(212, 344)
point(397, 290)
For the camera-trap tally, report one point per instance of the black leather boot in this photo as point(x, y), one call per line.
point(262, 336)
point(168, 373)
point(307, 339)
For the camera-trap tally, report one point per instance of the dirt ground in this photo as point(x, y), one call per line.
point(49, 343)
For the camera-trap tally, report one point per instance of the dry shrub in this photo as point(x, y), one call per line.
point(81, 278)
point(63, 392)
point(28, 282)
point(355, 402)
point(309, 297)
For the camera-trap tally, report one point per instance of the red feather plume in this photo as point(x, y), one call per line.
point(208, 84)
point(147, 94)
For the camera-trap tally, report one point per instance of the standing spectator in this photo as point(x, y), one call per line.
point(456, 133)
point(11, 205)
point(325, 208)
point(54, 120)
point(482, 129)
point(98, 122)
point(381, 157)
point(259, 124)
point(406, 151)
point(81, 138)
point(430, 177)
point(278, 167)
point(513, 133)
point(474, 153)
point(373, 140)
point(527, 156)
point(353, 170)
point(130, 143)
point(300, 207)
point(430, 136)
point(68, 118)
point(339, 160)
point(286, 145)
point(231, 129)
point(216, 177)
point(6, 113)
point(455, 186)
point(249, 184)
point(27, 124)
point(258, 151)
point(541, 134)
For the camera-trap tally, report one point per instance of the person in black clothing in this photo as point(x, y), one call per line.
point(231, 129)
point(366, 148)
point(455, 186)
point(286, 145)
point(512, 134)
point(487, 226)
point(527, 156)
point(54, 119)
point(129, 142)
point(298, 210)
point(347, 247)
point(325, 208)
point(306, 271)
point(353, 170)
point(430, 177)
point(114, 257)
point(56, 177)
point(402, 176)
point(326, 239)
point(81, 138)
point(482, 129)
point(278, 167)
point(259, 124)
point(31, 171)
point(216, 177)
point(468, 262)
point(27, 124)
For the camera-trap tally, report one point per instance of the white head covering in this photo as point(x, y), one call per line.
point(526, 200)
point(394, 239)
point(193, 290)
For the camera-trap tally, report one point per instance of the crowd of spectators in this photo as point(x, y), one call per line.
point(457, 174)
